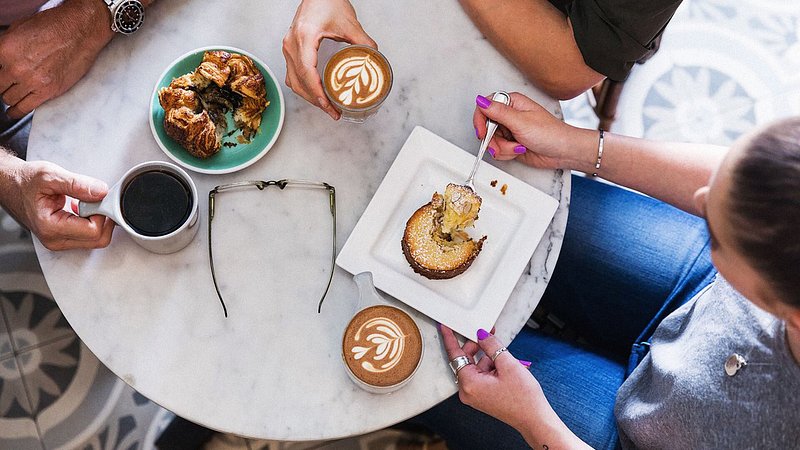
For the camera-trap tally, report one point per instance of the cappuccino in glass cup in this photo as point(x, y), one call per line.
point(357, 79)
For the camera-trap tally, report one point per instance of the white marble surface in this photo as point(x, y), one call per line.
point(273, 368)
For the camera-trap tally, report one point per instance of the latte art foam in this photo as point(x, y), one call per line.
point(357, 78)
point(384, 345)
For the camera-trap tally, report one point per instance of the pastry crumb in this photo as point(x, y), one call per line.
point(504, 188)
point(493, 183)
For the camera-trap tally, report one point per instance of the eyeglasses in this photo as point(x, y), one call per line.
point(261, 185)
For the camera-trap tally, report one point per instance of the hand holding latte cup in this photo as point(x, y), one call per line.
point(314, 21)
point(357, 79)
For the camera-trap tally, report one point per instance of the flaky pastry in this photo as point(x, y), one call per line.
point(196, 103)
point(215, 67)
point(246, 79)
point(196, 132)
point(171, 98)
point(248, 115)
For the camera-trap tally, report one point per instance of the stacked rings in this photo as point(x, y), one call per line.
point(458, 363)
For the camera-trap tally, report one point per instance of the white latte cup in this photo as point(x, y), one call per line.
point(112, 206)
point(382, 343)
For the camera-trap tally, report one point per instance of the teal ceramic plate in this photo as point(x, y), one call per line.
point(228, 159)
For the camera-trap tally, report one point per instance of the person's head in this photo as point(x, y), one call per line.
point(752, 207)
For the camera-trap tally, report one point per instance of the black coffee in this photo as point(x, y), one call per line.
point(156, 203)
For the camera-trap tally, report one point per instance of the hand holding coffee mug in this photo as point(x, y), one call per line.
point(35, 193)
point(314, 21)
point(155, 202)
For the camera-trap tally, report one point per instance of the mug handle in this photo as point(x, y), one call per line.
point(86, 209)
point(367, 294)
point(104, 207)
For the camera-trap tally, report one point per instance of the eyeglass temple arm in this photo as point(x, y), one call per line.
point(282, 184)
point(332, 202)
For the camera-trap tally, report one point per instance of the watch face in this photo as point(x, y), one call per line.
point(128, 16)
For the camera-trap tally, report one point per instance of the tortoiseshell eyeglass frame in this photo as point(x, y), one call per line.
point(261, 185)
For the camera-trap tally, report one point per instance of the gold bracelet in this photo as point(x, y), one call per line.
point(599, 154)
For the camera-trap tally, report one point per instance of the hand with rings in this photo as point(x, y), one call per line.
point(497, 384)
point(458, 363)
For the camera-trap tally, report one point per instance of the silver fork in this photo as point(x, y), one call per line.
point(491, 127)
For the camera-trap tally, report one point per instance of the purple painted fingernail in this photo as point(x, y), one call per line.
point(482, 334)
point(520, 149)
point(482, 101)
point(476, 133)
point(491, 151)
point(525, 363)
point(438, 326)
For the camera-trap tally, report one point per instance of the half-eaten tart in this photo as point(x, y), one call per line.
point(435, 242)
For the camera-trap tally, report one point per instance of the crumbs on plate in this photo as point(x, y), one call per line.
point(503, 188)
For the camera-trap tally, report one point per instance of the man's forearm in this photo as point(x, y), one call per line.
point(91, 13)
point(538, 39)
point(8, 172)
point(98, 15)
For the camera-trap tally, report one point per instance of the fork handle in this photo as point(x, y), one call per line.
point(491, 127)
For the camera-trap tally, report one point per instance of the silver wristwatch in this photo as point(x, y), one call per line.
point(127, 16)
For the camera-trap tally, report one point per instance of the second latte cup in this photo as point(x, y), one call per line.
point(155, 202)
point(357, 79)
point(382, 346)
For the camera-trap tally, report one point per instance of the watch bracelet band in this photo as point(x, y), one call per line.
point(112, 7)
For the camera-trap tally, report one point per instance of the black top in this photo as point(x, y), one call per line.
point(613, 34)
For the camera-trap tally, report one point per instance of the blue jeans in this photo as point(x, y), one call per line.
point(627, 261)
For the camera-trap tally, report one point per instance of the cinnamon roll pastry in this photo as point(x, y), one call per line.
point(196, 104)
point(246, 79)
point(248, 115)
point(215, 67)
point(191, 80)
point(195, 132)
point(172, 98)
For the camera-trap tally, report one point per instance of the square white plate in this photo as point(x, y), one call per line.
point(514, 224)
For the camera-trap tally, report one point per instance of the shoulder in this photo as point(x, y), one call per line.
point(613, 34)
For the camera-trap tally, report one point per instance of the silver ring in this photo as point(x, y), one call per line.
point(497, 353)
point(458, 363)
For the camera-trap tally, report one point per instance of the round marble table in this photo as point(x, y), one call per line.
point(273, 368)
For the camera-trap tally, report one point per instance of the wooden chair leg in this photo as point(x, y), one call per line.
point(606, 98)
point(607, 93)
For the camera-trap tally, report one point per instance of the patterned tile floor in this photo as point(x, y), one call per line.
point(54, 393)
point(724, 66)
